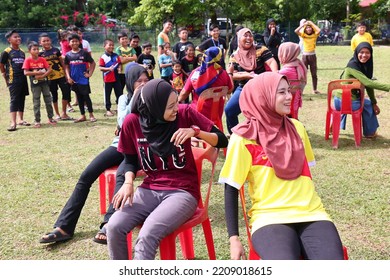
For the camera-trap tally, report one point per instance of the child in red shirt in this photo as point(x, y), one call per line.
point(38, 69)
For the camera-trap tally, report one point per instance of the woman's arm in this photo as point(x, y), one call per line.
point(215, 137)
point(126, 192)
point(231, 216)
point(367, 82)
point(183, 95)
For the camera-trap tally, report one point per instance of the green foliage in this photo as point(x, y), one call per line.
point(150, 13)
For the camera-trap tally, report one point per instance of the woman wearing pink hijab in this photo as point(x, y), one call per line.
point(273, 153)
point(294, 69)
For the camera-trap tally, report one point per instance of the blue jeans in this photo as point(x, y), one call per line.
point(232, 109)
point(369, 119)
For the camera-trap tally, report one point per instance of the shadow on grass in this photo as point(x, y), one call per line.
point(347, 142)
point(78, 236)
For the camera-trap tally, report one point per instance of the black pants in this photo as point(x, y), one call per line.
point(312, 240)
point(107, 93)
point(70, 214)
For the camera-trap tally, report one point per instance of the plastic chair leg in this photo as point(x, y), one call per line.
point(357, 128)
point(130, 245)
point(102, 193)
point(327, 125)
point(208, 234)
point(187, 244)
point(336, 129)
point(345, 253)
point(168, 247)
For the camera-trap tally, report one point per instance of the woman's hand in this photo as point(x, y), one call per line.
point(126, 192)
point(376, 109)
point(181, 135)
point(237, 251)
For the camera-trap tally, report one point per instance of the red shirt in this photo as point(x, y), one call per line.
point(172, 173)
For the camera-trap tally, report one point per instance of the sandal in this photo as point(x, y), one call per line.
point(67, 118)
point(37, 125)
point(55, 236)
point(92, 119)
point(24, 123)
point(51, 122)
point(109, 114)
point(80, 120)
point(101, 236)
point(11, 128)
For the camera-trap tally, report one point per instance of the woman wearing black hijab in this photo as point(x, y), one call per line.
point(65, 225)
point(156, 137)
point(361, 67)
point(272, 38)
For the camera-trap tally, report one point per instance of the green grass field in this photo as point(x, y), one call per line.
point(39, 169)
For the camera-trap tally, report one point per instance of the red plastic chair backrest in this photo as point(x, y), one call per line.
point(346, 85)
point(214, 93)
point(296, 85)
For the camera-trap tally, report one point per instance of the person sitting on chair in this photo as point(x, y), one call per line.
point(360, 67)
point(273, 153)
point(156, 136)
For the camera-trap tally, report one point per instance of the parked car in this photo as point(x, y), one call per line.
point(224, 24)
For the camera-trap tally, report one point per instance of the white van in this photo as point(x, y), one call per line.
point(222, 26)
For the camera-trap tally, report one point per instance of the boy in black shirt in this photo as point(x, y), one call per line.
point(11, 62)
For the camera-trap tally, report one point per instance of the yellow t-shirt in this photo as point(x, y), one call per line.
point(357, 39)
point(274, 200)
point(309, 41)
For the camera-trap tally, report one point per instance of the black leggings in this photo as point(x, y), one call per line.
point(70, 214)
point(311, 240)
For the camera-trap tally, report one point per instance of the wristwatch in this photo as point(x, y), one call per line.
point(196, 129)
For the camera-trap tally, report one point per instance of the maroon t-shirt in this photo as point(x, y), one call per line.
point(177, 171)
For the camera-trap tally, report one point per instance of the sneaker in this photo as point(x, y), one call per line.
point(70, 110)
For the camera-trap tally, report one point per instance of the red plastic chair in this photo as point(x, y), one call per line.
point(107, 182)
point(168, 244)
point(333, 117)
point(216, 94)
point(252, 253)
